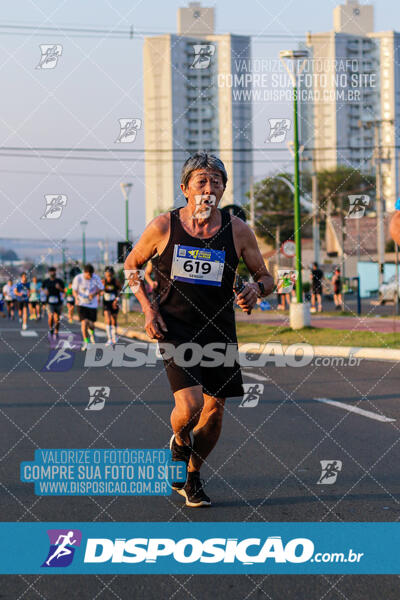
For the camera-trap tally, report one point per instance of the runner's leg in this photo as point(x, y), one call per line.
point(84, 329)
point(90, 326)
point(50, 319)
point(189, 403)
point(25, 315)
point(319, 300)
point(207, 431)
point(56, 322)
point(107, 320)
point(114, 328)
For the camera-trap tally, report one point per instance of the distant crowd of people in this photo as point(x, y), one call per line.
point(28, 300)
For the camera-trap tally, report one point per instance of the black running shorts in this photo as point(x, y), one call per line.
point(220, 382)
point(85, 312)
point(110, 307)
point(55, 308)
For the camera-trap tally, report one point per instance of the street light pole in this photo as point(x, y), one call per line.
point(83, 225)
point(297, 223)
point(298, 315)
point(126, 189)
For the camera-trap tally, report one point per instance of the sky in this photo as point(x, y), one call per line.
point(97, 81)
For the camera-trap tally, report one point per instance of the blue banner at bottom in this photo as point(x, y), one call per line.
point(201, 548)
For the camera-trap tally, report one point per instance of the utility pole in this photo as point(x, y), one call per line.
point(379, 201)
point(380, 208)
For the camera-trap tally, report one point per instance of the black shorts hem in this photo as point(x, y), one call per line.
point(86, 312)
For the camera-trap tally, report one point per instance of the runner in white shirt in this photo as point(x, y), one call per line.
point(86, 288)
point(9, 297)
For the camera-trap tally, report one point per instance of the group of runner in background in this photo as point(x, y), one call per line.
point(27, 300)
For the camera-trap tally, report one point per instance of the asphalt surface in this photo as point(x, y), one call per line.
point(264, 468)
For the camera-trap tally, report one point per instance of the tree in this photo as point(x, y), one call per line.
point(334, 185)
point(8, 254)
point(273, 208)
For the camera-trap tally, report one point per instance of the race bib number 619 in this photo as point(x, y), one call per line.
point(198, 265)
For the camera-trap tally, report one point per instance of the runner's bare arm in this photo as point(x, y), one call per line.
point(150, 242)
point(247, 248)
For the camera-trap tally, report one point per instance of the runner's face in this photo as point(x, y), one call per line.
point(204, 182)
point(87, 275)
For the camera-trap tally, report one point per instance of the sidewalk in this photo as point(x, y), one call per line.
point(361, 323)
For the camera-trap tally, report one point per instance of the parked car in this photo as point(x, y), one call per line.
point(388, 291)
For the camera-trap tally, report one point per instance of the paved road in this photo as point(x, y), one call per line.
point(265, 467)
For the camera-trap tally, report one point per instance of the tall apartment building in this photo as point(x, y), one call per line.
point(336, 122)
point(185, 109)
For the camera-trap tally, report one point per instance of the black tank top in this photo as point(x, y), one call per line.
point(199, 312)
point(110, 289)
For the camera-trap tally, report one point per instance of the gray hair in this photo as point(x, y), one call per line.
point(202, 160)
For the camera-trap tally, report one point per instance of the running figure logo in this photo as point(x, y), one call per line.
point(63, 543)
point(61, 358)
point(329, 471)
point(202, 55)
point(278, 129)
point(54, 206)
point(50, 55)
point(358, 204)
point(252, 393)
point(97, 397)
point(128, 130)
point(133, 279)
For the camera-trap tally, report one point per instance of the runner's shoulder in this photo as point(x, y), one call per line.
point(159, 226)
point(241, 229)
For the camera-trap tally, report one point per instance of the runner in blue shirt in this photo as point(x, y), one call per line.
point(22, 290)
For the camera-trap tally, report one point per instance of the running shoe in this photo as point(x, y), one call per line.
point(109, 343)
point(179, 453)
point(24, 326)
point(84, 346)
point(194, 492)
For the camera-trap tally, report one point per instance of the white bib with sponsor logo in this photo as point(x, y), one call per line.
point(198, 265)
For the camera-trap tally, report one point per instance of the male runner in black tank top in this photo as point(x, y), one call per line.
point(197, 250)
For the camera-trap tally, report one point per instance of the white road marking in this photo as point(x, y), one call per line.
point(355, 409)
point(255, 376)
point(29, 333)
